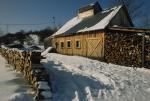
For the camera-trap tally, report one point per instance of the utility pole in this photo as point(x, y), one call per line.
point(7, 28)
point(53, 21)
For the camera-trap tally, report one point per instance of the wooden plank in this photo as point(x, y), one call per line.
point(83, 50)
point(95, 47)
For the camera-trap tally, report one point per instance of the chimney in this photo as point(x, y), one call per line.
point(89, 10)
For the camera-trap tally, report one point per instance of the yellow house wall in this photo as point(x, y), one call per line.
point(87, 40)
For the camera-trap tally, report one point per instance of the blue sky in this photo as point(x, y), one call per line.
point(40, 11)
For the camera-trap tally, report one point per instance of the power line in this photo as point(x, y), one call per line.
point(53, 18)
point(23, 24)
point(16, 24)
point(26, 24)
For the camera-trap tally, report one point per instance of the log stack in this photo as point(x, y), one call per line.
point(147, 56)
point(147, 51)
point(123, 48)
point(28, 63)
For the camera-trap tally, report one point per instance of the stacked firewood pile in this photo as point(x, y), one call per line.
point(147, 51)
point(123, 48)
point(28, 63)
point(147, 56)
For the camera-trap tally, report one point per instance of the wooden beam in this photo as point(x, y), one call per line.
point(129, 29)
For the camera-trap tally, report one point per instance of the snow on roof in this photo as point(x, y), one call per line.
point(46, 51)
point(98, 21)
point(103, 23)
point(68, 25)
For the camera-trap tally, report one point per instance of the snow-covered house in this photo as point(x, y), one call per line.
point(84, 34)
point(96, 33)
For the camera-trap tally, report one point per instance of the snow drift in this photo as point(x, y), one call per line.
point(77, 78)
point(12, 85)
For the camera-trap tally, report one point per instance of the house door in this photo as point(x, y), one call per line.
point(95, 47)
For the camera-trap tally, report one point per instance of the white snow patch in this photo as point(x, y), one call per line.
point(35, 39)
point(75, 78)
point(103, 23)
point(88, 94)
point(68, 25)
point(76, 97)
point(46, 94)
point(43, 86)
point(148, 90)
point(12, 85)
point(20, 97)
point(44, 53)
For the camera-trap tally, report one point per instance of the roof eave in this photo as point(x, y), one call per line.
point(129, 29)
point(72, 34)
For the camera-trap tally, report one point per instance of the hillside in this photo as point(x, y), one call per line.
point(22, 36)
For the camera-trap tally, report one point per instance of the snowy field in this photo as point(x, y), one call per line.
point(77, 78)
point(12, 85)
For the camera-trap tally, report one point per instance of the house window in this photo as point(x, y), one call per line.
point(68, 44)
point(78, 44)
point(56, 45)
point(62, 44)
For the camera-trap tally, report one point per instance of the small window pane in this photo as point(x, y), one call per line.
point(68, 44)
point(62, 44)
point(78, 44)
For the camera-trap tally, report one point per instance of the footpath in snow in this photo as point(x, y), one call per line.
point(77, 78)
point(12, 85)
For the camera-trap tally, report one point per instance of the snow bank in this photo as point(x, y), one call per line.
point(34, 39)
point(46, 51)
point(12, 85)
point(77, 78)
point(20, 97)
point(43, 86)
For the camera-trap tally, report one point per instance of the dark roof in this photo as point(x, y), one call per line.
point(19, 46)
point(88, 22)
point(99, 21)
point(95, 6)
point(34, 47)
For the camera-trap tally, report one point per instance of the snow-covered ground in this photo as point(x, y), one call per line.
point(77, 78)
point(12, 85)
